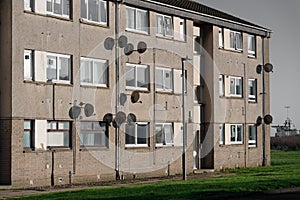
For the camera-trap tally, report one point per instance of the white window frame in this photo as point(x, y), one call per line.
point(172, 134)
point(235, 78)
point(58, 65)
point(163, 26)
point(87, 12)
point(235, 39)
point(136, 135)
point(62, 8)
point(57, 130)
point(236, 141)
point(135, 66)
point(28, 55)
point(221, 38)
point(222, 134)
point(94, 82)
point(253, 142)
point(164, 70)
point(252, 43)
point(137, 29)
point(221, 85)
point(252, 97)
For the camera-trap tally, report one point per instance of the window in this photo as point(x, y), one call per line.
point(236, 40)
point(164, 134)
point(179, 29)
point(221, 37)
point(164, 25)
point(236, 86)
point(137, 134)
point(94, 11)
point(222, 134)
point(28, 5)
point(251, 45)
point(221, 85)
point(137, 77)
point(93, 134)
point(164, 79)
point(197, 94)
point(252, 131)
point(59, 7)
point(197, 45)
point(94, 72)
point(236, 134)
point(137, 19)
point(28, 134)
point(252, 90)
point(58, 67)
point(58, 134)
point(28, 64)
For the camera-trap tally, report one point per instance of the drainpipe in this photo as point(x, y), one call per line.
point(154, 107)
point(245, 115)
point(264, 163)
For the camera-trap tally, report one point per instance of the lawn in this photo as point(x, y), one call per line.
point(284, 173)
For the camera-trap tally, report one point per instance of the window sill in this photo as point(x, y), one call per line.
point(235, 97)
point(49, 15)
point(165, 37)
point(231, 50)
point(252, 56)
point(93, 149)
point(252, 147)
point(137, 147)
point(137, 32)
point(164, 146)
point(252, 102)
point(92, 23)
point(137, 89)
point(236, 144)
point(47, 83)
point(94, 86)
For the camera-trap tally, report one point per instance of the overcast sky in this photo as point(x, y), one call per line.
point(283, 18)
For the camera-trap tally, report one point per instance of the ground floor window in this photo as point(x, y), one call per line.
point(236, 134)
point(252, 131)
point(93, 134)
point(164, 134)
point(58, 134)
point(137, 134)
point(28, 134)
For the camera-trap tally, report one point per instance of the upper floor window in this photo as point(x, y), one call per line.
point(94, 11)
point(252, 131)
point(164, 79)
point(28, 134)
point(137, 77)
point(164, 25)
point(251, 45)
point(221, 37)
point(222, 134)
point(236, 134)
point(221, 85)
point(236, 86)
point(58, 67)
point(93, 134)
point(137, 134)
point(179, 29)
point(28, 64)
point(236, 40)
point(94, 72)
point(164, 134)
point(137, 19)
point(252, 90)
point(58, 134)
point(28, 5)
point(59, 7)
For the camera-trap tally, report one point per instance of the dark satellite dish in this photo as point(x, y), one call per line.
point(142, 47)
point(88, 110)
point(74, 112)
point(258, 69)
point(268, 119)
point(268, 67)
point(123, 99)
point(131, 118)
point(120, 118)
point(128, 49)
point(258, 121)
point(122, 41)
point(135, 96)
point(109, 43)
point(108, 118)
point(114, 123)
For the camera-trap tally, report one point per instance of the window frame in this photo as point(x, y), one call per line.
point(235, 40)
point(252, 40)
point(58, 65)
point(252, 97)
point(136, 134)
point(56, 130)
point(136, 29)
point(252, 143)
point(62, 8)
point(94, 131)
point(165, 138)
point(31, 58)
point(99, 14)
point(222, 134)
point(93, 60)
point(163, 25)
point(31, 5)
point(164, 70)
point(136, 87)
point(221, 85)
point(236, 141)
point(31, 131)
point(235, 78)
point(221, 37)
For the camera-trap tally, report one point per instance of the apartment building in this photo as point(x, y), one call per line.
point(92, 90)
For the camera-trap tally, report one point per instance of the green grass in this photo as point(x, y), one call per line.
point(284, 173)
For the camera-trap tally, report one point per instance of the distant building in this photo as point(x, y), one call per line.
point(287, 129)
point(53, 56)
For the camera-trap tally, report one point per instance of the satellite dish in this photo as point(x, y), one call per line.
point(131, 118)
point(123, 99)
point(120, 118)
point(135, 96)
point(142, 47)
point(128, 49)
point(108, 118)
point(88, 110)
point(122, 41)
point(258, 121)
point(268, 67)
point(268, 119)
point(109, 43)
point(259, 69)
point(114, 123)
point(74, 112)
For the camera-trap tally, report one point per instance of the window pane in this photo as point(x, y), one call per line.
point(168, 80)
point(130, 134)
point(103, 11)
point(66, 7)
point(159, 134)
point(220, 37)
point(159, 74)
point(86, 71)
point(55, 139)
point(57, 7)
point(83, 9)
point(87, 139)
point(142, 77)
point(52, 125)
point(49, 6)
point(142, 133)
point(28, 64)
point(159, 24)
point(168, 26)
point(27, 5)
point(66, 139)
point(221, 134)
point(221, 85)
point(130, 76)
point(130, 19)
point(232, 86)
point(182, 30)
point(239, 41)
point(239, 133)
point(100, 73)
point(26, 138)
point(63, 125)
point(232, 137)
point(64, 69)
point(93, 10)
point(168, 133)
point(142, 20)
point(27, 125)
point(86, 126)
point(232, 40)
point(51, 67)
point(239, 86)
point(100, 139)
point(197, 45)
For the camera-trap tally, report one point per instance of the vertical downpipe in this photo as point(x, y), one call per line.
point(154, 107)
point(264, 163)
point(245, 115)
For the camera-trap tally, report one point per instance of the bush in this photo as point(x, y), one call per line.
point(288, 143)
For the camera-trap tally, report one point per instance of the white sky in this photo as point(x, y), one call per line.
point(283, 18)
